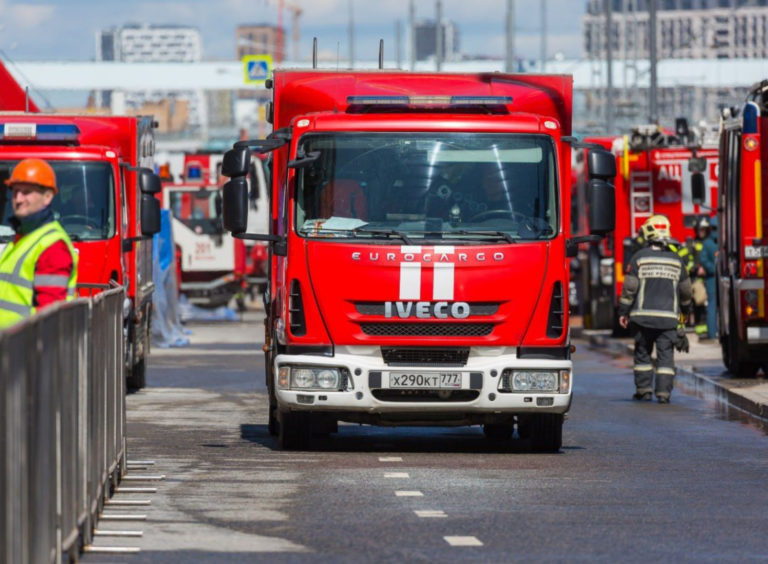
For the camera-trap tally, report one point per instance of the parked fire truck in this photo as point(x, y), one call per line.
point(742, 242)
point(105, 202)
point(214, 267)
point(419, 231)
point(653, 177)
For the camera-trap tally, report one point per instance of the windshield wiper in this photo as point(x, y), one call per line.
point(381, 231)
point(496, 234)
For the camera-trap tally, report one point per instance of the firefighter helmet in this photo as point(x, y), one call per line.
point(703, 223)
point(655, 228)
point(33, 171)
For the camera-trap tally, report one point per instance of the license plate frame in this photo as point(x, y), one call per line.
point(416, 380)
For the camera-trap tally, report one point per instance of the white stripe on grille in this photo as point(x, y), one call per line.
point(410, 281)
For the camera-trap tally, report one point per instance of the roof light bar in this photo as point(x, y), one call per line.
point(429, 100)
point(39, 132)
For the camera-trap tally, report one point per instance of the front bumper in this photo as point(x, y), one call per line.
point(369, 375)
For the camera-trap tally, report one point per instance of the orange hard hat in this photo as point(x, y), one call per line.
point(33, 171)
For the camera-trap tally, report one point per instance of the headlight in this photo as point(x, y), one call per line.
point(534, 381)
point(313, 378)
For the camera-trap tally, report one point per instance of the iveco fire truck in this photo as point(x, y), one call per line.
point(742, 235)
point(653, 177)
point(419, 231)
point(105, 202)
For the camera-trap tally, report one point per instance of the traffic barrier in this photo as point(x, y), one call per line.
point(62, 425)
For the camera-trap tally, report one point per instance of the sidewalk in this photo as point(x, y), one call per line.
point(700, 371)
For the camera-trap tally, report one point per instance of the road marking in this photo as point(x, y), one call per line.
point(390, 459)
point(408, 493)
point(396, 475)
point(463, 541)
point(425, 513)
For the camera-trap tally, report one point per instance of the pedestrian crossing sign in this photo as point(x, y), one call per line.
point(257, 69)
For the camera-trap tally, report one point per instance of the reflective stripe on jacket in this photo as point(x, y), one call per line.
point(17, 272)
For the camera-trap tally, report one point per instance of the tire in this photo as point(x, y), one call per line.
point(137, 379)
point(273, 425)
point(498, 431)
point(240, 302)
point(545, 432)
point(732, 358)
point(295, 431)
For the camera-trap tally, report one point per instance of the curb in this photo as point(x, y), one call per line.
point(695, 383)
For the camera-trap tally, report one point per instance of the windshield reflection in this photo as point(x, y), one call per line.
point(462, 186)
point(84, 205)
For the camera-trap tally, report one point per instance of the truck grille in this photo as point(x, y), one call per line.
point(425, 356)
point(475, 308)
point(427, 329)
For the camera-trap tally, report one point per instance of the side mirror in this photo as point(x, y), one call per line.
point(235, 205)
point(149, 182)
point(601, 165)
point(698, 188)
point(602, 206)
point(237, 162)
point(150, 215)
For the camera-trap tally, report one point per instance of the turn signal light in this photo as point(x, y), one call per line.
point(750, 269)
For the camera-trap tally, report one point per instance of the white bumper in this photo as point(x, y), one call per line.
point(369, 374)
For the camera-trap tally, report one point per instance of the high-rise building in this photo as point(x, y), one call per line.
point(686, 29)
point(259, 39)
point(149, 43)
point(426, 40)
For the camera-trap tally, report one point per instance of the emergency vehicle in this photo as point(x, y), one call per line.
point(213, 266)
point(106, 203)
point(653, 177)
point(418, 235)
point(742, 243)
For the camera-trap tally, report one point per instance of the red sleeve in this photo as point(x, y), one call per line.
point(55, 262)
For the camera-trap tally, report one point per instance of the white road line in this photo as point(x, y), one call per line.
point(390, 459)
point(396, 475)
point(463, 541)
point(408, 493)
point(426, 513)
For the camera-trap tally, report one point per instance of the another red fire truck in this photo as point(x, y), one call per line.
point(652, 178)
point(105, 202)
point(418, 239)
point(742, 242)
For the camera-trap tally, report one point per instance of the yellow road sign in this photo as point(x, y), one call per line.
point(257, 68)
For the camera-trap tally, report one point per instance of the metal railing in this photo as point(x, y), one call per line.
point(62, 426)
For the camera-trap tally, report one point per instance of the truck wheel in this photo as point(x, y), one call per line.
point(273, 425)
point(545, 431)
point(137, 379)
point(498, 431)
point(736, 365)
point(295, 431)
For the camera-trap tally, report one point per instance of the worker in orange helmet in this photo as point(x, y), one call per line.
point(39, 267)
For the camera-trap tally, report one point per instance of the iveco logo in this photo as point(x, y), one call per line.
point(427, 310)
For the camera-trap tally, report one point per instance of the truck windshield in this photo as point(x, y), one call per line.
point(84, 205)
point(448, 185)
point(196, 209)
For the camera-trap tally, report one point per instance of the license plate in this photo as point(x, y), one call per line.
point(425, 380)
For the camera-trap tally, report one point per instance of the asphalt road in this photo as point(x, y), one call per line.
point(634, 482)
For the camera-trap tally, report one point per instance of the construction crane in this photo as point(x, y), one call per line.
point(296, 12)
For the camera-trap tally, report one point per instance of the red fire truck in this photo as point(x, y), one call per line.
point(213, 266)
point(653, 177)
point(743, 246)
point(105, 202)
point(418, 242)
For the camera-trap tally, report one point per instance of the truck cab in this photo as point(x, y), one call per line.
point(419, 231)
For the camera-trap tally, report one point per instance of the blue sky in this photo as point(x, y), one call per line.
point(64, 29)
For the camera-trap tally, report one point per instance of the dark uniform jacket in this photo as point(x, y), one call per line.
point(656, 288)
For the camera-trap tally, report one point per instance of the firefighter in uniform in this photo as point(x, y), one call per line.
point(39, 267)
point(656, 289)
point(691, 253)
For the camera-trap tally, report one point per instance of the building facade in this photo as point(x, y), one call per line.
point(145, 43)
point(425, 35)
point(259, 39)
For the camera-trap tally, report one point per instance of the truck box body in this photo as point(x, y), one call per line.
point(743, 246)
point(421, 322)
point(96, 161)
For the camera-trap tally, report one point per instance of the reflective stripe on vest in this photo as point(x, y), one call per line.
point(17, 272)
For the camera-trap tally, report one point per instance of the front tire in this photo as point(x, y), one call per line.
point(544, 430)
point(295, 431)
point(498, 431)
point(138, 376)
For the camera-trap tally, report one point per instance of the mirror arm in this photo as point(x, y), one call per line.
point(279, 243)
point(261, 145)
point(128, 242)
